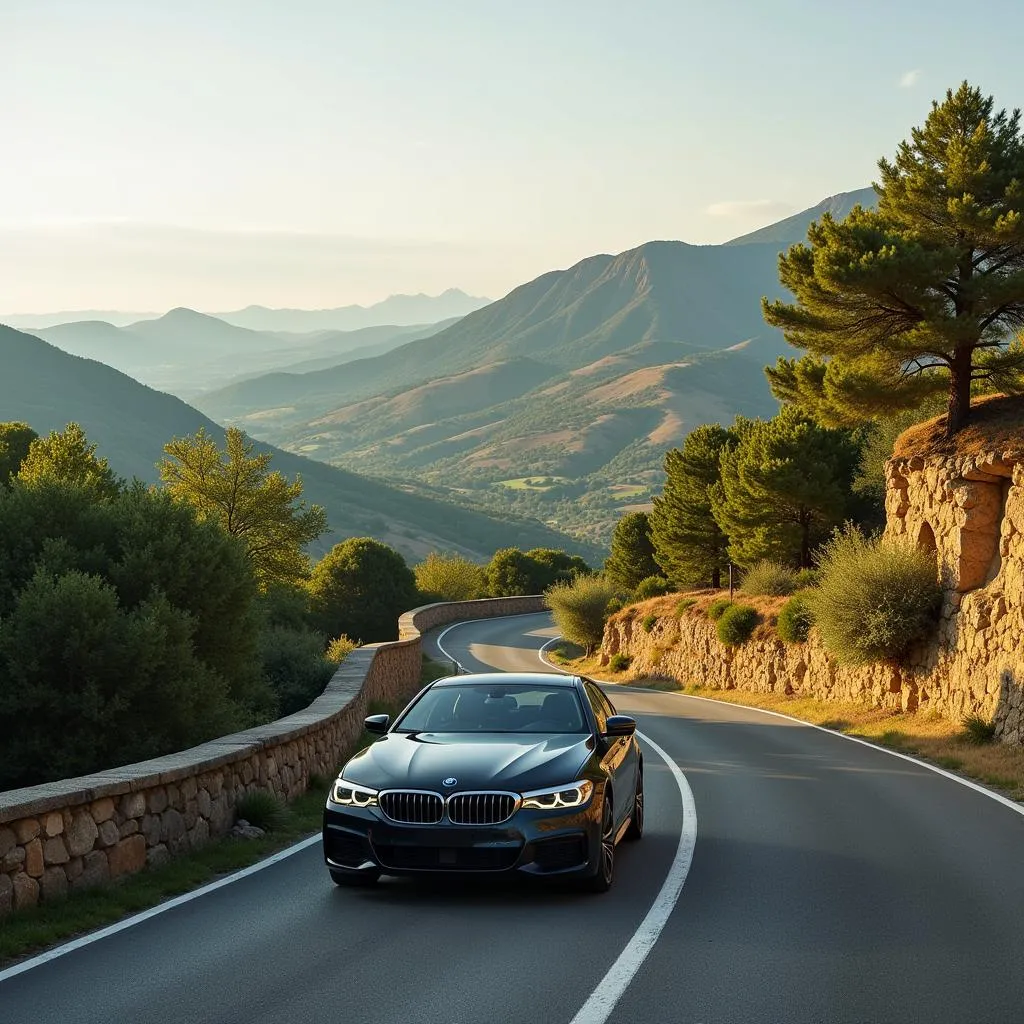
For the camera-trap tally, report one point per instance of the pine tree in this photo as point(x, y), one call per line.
point(688, 543)
point(923, 295)
point(785, 484)
point(632, 552)
point(236, 489)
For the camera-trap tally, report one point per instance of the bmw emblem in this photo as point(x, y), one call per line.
point(450, 781)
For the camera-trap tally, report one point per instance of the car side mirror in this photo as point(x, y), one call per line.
point(620, 725)
point(377, 723)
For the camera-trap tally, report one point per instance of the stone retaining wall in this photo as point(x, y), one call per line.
point(84, 831)
point(970, 511)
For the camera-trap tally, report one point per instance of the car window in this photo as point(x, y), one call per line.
point(598, 703)
point(506, 707)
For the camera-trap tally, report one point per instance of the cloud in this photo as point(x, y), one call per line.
point(910, 78)
point(749, 208)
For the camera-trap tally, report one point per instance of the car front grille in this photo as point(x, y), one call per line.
point(411, 807)
point(437, 858)
point(481, 808)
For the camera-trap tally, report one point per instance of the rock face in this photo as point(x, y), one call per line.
point(970, 512)
point(83, 832)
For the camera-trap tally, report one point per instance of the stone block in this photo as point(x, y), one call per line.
point(108, 833)
point(203, 803)
point(82, 835)
point(53, 824)
point(189, 788)
point(200, 834)
point(54, 884)
point(34, 859)
point(25, 891)
point(151, 829)
point(95, 870)
point(26, 829)
point(74, 868)
point(172, 830)
point(157, 855)
point(102, 810)
point(13, 859)
point(127, 857)
point(126, 828)
point(8, 841)
point(133, 805)
point(156, 802)
point(55, 851)
point(6, 894)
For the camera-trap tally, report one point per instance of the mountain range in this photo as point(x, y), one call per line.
point(582, 377)
point(47, 388)
point(187, 352)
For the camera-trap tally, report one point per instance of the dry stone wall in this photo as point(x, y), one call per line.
point(85, 831)
point(970, 511)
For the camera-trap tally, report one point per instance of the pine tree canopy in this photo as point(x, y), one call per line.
point(923, 295)
point(632, 552)
point(689, 545)
point(785, 484)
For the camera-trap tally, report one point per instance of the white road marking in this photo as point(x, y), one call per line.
point(599, 1005)
point(130, 922)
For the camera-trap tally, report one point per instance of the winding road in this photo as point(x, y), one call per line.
point(830, 882)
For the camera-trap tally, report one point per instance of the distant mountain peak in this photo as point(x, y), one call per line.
point(794, 229)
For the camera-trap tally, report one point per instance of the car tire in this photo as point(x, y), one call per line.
point(601, 880)
point(636, 819)
point(353, 879)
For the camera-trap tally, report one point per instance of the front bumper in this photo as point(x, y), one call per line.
point(538, 843)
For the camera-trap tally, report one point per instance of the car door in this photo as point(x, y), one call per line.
point(620, 754)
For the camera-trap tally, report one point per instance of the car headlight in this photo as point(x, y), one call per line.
point(574, 795)
point(350, 794)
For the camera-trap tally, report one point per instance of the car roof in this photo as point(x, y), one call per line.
point(504, 678)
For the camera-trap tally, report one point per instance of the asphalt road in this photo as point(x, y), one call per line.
point(830, 882)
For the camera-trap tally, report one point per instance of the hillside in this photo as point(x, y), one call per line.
point(403, 310)
point(47, 388)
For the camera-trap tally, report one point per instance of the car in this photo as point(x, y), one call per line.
point(532, 774)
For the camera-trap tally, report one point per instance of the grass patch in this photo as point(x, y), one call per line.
point(684, 603)
point(619, 662)
point(648, 622)
point(978, 730)
point(768, 579)
point(263, 809)
point(718, 608)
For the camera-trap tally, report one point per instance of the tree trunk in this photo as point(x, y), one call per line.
point(716, 577)
point(805, 540)
point(958, 412)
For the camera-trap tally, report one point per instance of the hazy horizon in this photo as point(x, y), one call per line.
point(328, 153)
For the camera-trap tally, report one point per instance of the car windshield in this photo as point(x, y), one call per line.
point(523, 707)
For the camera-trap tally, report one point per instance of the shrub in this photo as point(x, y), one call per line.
point(875, 599)
point(580, 607)
point(262, 809)
point(648, 622)
point(614, 605)
point(619, 662)
point(795, 619)
point(769, 578)
point(807, 578)
point(652, 586)
point(339, 649)
point(295, 666)
point(684, 603)
point(978, 730)
point(450, 578)
point(736, 624)
point(718, 608)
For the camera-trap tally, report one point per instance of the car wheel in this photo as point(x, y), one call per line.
point(636, 819)
point(353, 878)
point(601, 880)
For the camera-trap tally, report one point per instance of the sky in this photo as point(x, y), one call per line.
point(314, 153)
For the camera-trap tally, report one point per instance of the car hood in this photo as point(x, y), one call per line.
point(518, 762)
